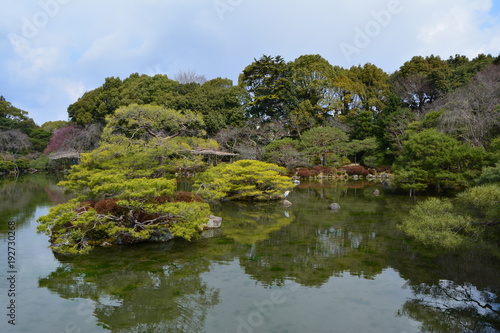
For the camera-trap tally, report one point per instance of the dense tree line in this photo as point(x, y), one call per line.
point(217, 100)
point(303, 104)
point(275, 99)
point(300, 113)
point(18, 133)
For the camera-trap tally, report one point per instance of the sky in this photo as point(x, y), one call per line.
point(53, 51)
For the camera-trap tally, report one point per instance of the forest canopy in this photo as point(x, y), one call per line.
point(373, 114)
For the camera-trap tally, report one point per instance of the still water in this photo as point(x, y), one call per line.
point(270, 269)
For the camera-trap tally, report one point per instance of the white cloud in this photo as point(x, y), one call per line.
point(68, 89)
point(87, 41)
point(33, 61)
point(109, 46)
point(456, 27)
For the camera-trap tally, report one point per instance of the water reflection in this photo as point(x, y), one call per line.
point(453, 307)
point(248, 223)
point(140, 289)
point(453, 292)
point(158, 287)
point(164, 287)
point(20, 196)
point(321, 243)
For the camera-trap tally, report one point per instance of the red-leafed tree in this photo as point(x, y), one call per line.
point(76, 138)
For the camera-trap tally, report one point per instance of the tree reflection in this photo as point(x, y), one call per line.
point(248, 223)
point(160, 287)
point(453, 307)
point(320, 243)
point(21, 196)
point(455, 291)
point(139, 289)
point(310, 256)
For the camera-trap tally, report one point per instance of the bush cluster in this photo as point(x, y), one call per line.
point(357, 170)
point(317, 171)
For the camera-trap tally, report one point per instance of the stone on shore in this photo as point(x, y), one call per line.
point(334, 206)
point(214, 222)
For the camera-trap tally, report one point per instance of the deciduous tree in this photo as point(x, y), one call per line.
point(184, 77)
point(472, 113)
point(14, 141)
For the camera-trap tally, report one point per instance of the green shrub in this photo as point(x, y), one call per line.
point(243, 180)
point(40, 163)
point(450, 223)
point(7, 166)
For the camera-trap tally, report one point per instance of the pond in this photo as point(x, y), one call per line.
point(301, 268)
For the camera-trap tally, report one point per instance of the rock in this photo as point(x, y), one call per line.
point(125, 238)
point(386, 185)
point(376, 192)
point(161, 235)
point(214, 222)
point(286, 203)
point(334, 206)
